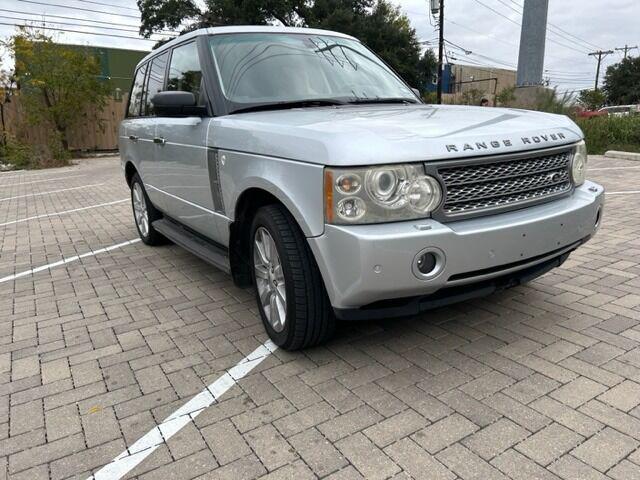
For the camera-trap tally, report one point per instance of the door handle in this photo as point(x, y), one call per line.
point(133, 138)
point(159, 140)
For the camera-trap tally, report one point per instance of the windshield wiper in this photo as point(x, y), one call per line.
point(364, 101)
point(318, 102)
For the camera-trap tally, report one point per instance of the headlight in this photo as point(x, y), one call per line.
point(379, 194)
point(579, 164)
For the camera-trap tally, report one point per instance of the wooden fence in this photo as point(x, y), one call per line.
point(96, 130)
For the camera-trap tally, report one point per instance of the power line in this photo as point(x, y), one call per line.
point(79, 31)
point(520, 25)
point(69, 24)
point(68, 18)
point(549, 27)
point(64, 17)
point(563, 31)
point(108, 5)
point(137, 17)
point(470, 52)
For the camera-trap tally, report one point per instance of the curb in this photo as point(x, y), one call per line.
point(623, 155)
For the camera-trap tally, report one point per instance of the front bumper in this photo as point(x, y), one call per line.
point(366, 264)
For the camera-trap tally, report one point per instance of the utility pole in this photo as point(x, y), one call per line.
point(600, 54)
point(532, 43)
point(440, 53)
point(625, 49)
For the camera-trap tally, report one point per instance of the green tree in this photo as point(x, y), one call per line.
point(622, 82)
point(57, 83)
point(379, 24)
point(426, 70)
point(506, 97)
point(592, 99)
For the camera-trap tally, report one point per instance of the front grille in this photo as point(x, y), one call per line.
point(494, 184)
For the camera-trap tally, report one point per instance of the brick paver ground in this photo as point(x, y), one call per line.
point(539, 382)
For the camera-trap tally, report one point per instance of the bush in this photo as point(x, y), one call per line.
point(611, 133)
point(23, 156)
point(15, 153)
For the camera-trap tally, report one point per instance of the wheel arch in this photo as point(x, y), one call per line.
point(129, 171)
point(245, 207)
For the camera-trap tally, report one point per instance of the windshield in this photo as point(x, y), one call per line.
point(270, 68)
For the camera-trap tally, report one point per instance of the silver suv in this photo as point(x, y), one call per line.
point(299, 162)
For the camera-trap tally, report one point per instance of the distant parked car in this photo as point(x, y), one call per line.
point(582, 113)
point(621, 110)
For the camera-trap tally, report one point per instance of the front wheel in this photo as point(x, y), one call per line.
point(144, 214)
point(291, 297)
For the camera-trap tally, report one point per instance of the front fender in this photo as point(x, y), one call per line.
point(299, 186)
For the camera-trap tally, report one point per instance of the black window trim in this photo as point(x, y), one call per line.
point(164, 80)
point(144, 82)
point(203, 82)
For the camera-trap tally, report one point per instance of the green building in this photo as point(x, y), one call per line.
point(117, 65)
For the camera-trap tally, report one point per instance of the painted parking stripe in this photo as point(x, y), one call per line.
point(136, 453)
point(39, 181)
point(52, 191)
point(64, 261)
point(629, 192)
point(56, 214)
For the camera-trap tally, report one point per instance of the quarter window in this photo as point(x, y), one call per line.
point(135, 97)
point(155, 81)
point(185, 73)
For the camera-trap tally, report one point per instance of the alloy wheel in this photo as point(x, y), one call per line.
point(140, 210)
point(270, 279)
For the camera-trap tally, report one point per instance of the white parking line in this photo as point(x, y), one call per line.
point(52, 191)
point(39, 181)
point(612, 168)
point(136, 453)
point(629, 192)
point(64, 261)
point(56, 214)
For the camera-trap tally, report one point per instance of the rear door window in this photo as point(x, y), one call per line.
point(135, 98)
point(185, 73)
point(155, 81)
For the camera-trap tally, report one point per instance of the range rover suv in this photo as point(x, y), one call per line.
point(300, 163)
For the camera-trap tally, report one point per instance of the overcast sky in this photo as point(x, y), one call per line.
point(580, 26)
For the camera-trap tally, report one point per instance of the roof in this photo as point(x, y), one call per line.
point(243, 29)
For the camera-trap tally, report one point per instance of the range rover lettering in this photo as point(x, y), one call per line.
point(299, 162)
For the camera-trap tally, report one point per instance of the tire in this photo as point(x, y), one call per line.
point(144, 214)
point(308, 316)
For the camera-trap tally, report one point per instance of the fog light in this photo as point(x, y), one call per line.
point(428, 263)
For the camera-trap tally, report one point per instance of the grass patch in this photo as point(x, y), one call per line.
point(611, 133)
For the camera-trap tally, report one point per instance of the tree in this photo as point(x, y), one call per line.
point(507, 97)
point(622, 82)
point(57, 83)
point(426, 70)
point(379, 24)
point(592, 99)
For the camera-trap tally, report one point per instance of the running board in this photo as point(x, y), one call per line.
point(192, 242)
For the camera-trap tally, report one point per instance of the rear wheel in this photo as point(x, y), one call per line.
point(291, 297)
point(144, 214)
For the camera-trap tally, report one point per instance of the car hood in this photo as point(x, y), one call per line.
point(378, 134)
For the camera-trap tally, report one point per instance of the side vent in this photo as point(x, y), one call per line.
point(213, 160)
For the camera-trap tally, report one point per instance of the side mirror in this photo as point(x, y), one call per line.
point(177, 104)
point(416, 92)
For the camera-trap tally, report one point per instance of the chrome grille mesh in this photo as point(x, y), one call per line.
point(477, 187)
